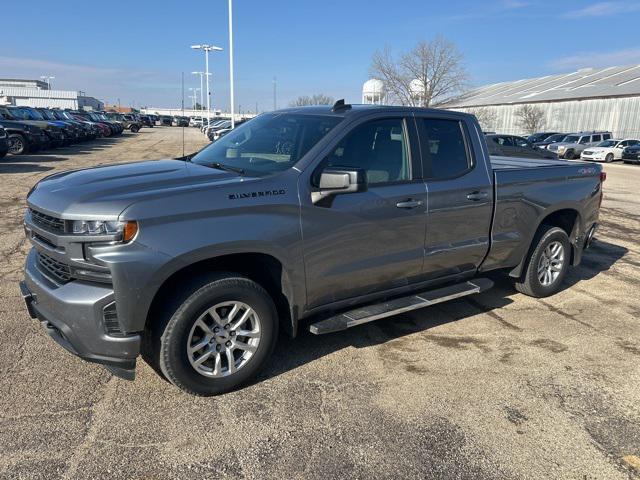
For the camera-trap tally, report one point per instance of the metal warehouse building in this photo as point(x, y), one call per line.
point(589, 99)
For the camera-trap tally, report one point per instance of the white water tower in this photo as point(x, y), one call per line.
point(373, 92)
point(418, 92)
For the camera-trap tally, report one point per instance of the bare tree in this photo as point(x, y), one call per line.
point(487, 117)
point(430, 73)
point(317, 99)
point(530, 118)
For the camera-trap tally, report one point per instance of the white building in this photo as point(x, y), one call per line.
point(589, 99)
point(34, 93)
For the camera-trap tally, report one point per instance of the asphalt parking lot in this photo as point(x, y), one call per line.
point(495, 386)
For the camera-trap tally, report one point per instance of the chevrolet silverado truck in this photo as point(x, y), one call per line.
point(319, 217)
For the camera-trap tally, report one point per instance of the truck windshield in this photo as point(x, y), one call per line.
point(269, 143)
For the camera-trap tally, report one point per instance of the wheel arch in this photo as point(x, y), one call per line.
point(262, 268)
point(568, 218)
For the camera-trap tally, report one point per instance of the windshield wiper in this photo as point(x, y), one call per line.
point(228, 168)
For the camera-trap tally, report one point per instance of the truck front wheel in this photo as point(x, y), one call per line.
point(219, 336)
point(547, 264)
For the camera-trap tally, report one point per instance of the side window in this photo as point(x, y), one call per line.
point(584, 140)
point(521, 142)
point(596, 138)
point(444, 148)
point(607, 136)
point(632, 142)
point(379, 148)
point(503, 141)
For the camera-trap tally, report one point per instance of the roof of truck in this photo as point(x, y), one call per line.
point(357, 109)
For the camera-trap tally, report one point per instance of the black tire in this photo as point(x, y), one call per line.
point(166, 347)
point(135, 128)
point(569, 155)
point(17, 144)
point(529, 283)
point(609, 158)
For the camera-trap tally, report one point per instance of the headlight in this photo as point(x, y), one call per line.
point(124, 231)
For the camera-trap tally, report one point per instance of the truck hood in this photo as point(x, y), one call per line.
point(102, 193)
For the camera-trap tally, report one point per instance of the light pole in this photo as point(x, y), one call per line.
point(48, 79)
point(207, 49)
point(233, 121)
point(201, 94)
point(194, 96)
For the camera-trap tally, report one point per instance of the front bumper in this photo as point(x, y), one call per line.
point(72, 314)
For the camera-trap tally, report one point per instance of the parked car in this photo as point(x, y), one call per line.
point(213, 123)
point(23, 137)
point(540, 136)
point(4, 142)
point(220, 125)
point(631, 154)
point(53, 133)
point(574, 144)
point(166, 120)
point(179, 121)
point(607, 151)
point(75, 131)
point(556, 138)
point(94, 130)
point(298, 219)
point(513, 146)
point(146, 121)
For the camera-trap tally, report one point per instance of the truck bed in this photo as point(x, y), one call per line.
point(505, 163)
point(525, 191)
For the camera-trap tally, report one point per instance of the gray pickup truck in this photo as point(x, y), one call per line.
point(316, 217)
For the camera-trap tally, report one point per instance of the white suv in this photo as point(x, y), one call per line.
point(607, 151)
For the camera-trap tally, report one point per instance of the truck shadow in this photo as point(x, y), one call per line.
point(293, 353)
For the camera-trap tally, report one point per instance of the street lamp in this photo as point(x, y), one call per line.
point(47, 79)
point(194, 96)
point(201, 93)
point(207, 49)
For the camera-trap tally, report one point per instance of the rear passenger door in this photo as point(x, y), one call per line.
point(460, 196)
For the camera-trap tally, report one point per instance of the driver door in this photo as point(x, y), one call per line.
point(371, 240)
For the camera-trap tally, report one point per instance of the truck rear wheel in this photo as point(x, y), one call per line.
point(219, 336)
point(547, 264)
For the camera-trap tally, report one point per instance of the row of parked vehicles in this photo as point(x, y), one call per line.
point(217, 129)
point(27, 129)
point(597, 146)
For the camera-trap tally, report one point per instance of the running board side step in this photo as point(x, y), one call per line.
point(396, 306)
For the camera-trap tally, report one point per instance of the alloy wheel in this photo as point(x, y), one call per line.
point(223, 339)
point(551, 263)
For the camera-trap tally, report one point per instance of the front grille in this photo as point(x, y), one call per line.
point(587, 152)
point(55, 269)
point(47, 221)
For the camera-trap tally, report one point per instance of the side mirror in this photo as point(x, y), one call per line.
point(335, 181)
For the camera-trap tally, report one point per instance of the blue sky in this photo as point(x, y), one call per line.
point(136, 50)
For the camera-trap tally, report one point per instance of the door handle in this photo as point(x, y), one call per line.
point(475, 196)
point(409, 204)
